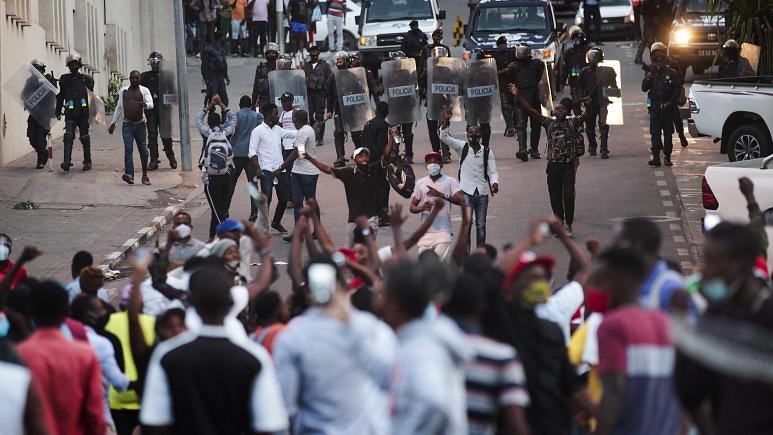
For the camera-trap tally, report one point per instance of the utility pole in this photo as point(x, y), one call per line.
point(182, 87)
point(280, 28)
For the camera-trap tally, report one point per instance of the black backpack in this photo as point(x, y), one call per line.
point(486, 152)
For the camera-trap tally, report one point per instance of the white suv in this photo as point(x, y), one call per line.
point(351, 30)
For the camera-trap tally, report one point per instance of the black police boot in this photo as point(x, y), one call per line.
point(522, 154)
point(169, 151)
point(683, 140)
point(86, 142)
point(67, 157)
point(604, 142)
point(655, 162)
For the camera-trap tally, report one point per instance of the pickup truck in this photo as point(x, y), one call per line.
point(723, 200)
point(736, 111)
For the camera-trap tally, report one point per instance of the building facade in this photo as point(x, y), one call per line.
point(113, 37)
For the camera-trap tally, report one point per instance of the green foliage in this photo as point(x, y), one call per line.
point(111, 101)
point(750, 21)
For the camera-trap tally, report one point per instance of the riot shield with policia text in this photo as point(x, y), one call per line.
point(353, 98)
point(444, 82)
point(400, 88)
point(168, 110)
point(481, 91)
point(35, 93)
point(292, 81)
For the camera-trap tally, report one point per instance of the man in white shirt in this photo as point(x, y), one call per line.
point(477, 175)
point(303, 182)
point(439, 236)
point(287, 122)
point(266, 153)
point(133, 100)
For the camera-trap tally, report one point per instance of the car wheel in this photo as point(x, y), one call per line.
point(748, 142)
point(350, 42)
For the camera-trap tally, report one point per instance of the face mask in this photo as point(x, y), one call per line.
point(5, 252)
point(232, 265)
point(365, 168)
point(5, 325)
point(433, 169)
point(536, 293)
point(473, 140)
point(716, 290)
point(576, 42)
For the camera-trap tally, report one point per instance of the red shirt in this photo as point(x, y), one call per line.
point(69, 381)
point(21, 276)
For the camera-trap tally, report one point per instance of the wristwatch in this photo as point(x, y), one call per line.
point(446, 197)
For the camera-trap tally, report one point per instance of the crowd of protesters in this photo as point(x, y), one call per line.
point(371, 340)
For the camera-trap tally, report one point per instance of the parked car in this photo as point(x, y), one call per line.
point(737, 111)
point(723, 201)
point(531, 22)
point(695, 35)
point(351, 32)
point(616, 18)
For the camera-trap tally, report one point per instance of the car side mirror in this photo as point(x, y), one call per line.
point(357, 19)
point(441, 15)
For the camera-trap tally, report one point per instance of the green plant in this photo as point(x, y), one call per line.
point(111, 101)
point(750, 21)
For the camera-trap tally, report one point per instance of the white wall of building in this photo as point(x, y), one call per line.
point(113, 37)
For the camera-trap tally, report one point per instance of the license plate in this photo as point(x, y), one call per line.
point(710, 53)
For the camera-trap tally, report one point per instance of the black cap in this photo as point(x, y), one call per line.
point(287, 96)
point(414, 23)
point(437, 32)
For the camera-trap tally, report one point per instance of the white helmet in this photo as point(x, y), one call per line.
point(37, 63)
point(271, 46)
point(72, 57)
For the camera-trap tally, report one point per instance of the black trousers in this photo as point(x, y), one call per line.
point(434, 139)
point(216, 86)
point(637, 18)
point(317, 113)
point(153, 119)
point(561, 181)
point(521, 118)
point(218, 192)
point(125, 420)
point(244, 164)
point(407, 130)
point(282, 192)
point(592, 15)
point(38, 138)
point(258, 31)
point(661, 129)
point(79, 118)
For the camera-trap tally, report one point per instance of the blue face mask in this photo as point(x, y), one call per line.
point(717, 290)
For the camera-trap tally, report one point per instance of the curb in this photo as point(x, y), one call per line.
point(111, 262)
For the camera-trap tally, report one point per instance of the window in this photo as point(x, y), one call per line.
point(396, 10)
point(53, 19)
point(509, 18)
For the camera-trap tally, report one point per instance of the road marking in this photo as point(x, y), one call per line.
point(665, 193)
point(660, 173)
point(675, 227)
point(662, 183)
point(679, 239)
point(668, 203)
point(683, 252)
point(671, 214)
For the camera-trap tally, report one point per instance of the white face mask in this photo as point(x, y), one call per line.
point(5, 252)
point(433, 169)
point(233, 264)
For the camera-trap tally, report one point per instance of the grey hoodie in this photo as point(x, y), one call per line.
point(428, 384)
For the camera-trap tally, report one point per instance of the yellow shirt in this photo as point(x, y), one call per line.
point(118, 324)
point(576, 347)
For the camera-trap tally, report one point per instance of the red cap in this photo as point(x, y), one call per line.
point(760, 269)
point(433, 155)
point(527, 259)
point(350, 255)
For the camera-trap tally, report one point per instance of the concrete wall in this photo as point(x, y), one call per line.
point(112, 37)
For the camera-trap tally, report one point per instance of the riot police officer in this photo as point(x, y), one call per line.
point(572, 64)
point(732, 64)
point(152, 80)
point(342, 62)
point(593, 82)
point(37, 133)
point(526, 74)
point(437, 50)
point(318, 72)
point(485, 127)
point(662, 86)
point(73, 103)
point(503, 58)
point(260, 91)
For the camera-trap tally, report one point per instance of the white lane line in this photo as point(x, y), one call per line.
point(675, 227)
point(679, 239)
point(665, 193)
point(660, 174)
point(668, 203)
point(662, 183)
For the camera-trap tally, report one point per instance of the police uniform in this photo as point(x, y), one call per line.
point(593, 79)
point(662, 85)
point(316, 88)
point(503, 58)
point(260, 92)
point(152, 80)
point(36, 133)
point(339, 134)
point(526, 74)
point(73, 98)
point(432, 126)
point(573, 63)
point(677, 117)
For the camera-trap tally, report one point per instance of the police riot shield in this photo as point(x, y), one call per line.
point(545, 92)
point(96, 110)
point(615, 107)
point(353, 98)
point(400, 88)
point(292, 81)
point(481, 91)
point(168, 110)
point(35, 93)
point(444, 81)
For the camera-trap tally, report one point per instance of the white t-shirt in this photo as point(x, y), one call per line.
point(446, 185)
point(286, 120)
point(15, 380)
point(307, 138)
point(260, 10)
point(560, 308)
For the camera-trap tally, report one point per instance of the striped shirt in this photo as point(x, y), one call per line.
point(336, 7)
point(637, 342)
point(494, 379)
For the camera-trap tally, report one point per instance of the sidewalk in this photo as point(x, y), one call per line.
point(96, 211)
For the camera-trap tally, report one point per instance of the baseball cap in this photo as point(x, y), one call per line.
point(433, 155)
point(413, 23)
point(360, 150)
point(287, 97)
point(527, 259)
point(437, 32)
point(229, 225)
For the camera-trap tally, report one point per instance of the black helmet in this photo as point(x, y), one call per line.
point(730, 44)
point(155, 56)
point(522, 51)
point(476, 54)
point(578, 37)
point(594, 55)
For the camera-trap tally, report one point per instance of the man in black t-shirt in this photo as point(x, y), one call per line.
point(361, 184)
point(375, 137)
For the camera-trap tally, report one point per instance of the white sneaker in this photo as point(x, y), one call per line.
point(568, 230)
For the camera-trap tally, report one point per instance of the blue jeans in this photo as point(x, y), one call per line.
point(302, 187)
point(131, 133)
point(282, 192)
point(479, 205)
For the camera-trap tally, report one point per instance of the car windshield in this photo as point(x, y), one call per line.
point(616, 3)
point(509, 18)
point(397, 10)
point(703, 6)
